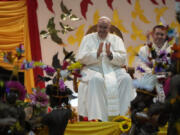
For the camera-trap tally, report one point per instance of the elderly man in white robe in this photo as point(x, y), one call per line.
point(105, 88)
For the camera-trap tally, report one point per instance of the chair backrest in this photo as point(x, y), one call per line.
point(113, 29)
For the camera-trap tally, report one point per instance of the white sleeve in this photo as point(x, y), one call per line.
point(119, 53)
point(144, 53)
point(86, 54)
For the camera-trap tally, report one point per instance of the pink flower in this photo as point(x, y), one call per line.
point(61, 85)
point(39, 98)
point(49, 71)
point(65, 64)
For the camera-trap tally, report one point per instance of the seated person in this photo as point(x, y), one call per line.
point(159, 43)
point(105, 88)
point(149, 52)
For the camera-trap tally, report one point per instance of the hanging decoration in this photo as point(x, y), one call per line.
point(109, 3)
point(164, 2)
point(96, 16)
point(11, 58)
point(65, 28)
point(67, 13)
point(52, 32)
point(49, 4)
point(84, 7)
point(132, 50)
point(154, 2)
point(72, 39)
point(159, 13)
point(136, 32)
point(118, 22)
point(138, 12)
point(129, 1)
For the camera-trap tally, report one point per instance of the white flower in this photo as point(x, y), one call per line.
point(64, 73)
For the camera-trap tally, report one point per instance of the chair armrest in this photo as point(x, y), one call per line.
point(131, 71)
point(75, 84)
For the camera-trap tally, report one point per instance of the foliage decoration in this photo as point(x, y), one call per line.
point(67, 13)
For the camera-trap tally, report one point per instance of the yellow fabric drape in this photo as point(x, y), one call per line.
point(93, 128)
point(99, 128)
point(13, 32)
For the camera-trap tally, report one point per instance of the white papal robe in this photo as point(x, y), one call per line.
point(105, 88)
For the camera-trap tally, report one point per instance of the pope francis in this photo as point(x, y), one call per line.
point(105, 88)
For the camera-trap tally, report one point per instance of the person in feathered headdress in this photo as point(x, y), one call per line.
point(59, 94)
point(12, 115)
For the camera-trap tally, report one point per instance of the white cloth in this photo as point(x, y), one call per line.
point(145, 53)
point(105, 89)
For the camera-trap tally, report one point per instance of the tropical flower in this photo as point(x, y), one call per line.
point(124, 126)
point(38, 98)
point(74, 66)
point(64, 73)
point(19, 51)
point(124, 123)
point(140, 69)
point(65, 65)
point(15, 85)
point(61, 85)
point(49, 71)
point(27, 65)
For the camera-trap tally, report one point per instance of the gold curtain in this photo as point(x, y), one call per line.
point(13, 32)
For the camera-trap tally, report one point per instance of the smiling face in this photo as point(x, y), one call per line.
point(159, 36)
point(103, 27)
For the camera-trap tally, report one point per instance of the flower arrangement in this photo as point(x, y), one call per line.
point(124, 123)
point(161, 61)
point(57, 74)
point(39, 101)
point(38, 97)
point(158, 62)
point(10, 57)
point(56, 93)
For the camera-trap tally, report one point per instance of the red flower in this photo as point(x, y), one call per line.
point(65, 64)
point(85, 118)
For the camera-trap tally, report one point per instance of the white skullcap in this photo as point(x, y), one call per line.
point(105, 18)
